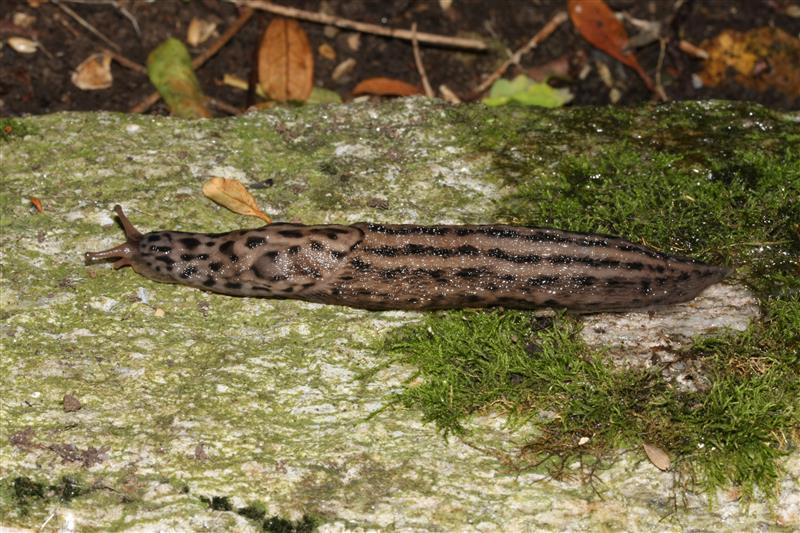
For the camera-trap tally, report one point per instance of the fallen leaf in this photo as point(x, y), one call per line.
point(232, 195)
point(285, 61)
point(23, 45)
point(199, 31)
point(324, 96)
point(169, 67)
point(525, 91)
point(657, 456)
point(94, 73)
point(385, 87)
point(343, 69)
point(597, 24)
point(327, 51)
point(23, 20)
point(37, 204)
point(759, 59)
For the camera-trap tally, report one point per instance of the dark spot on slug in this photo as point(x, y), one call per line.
point(161, 249)
point(541, 281)
point(584, 281)
point(189, 242)
point(684, 276)
point(316, 245)
point(291, 233)
point(360, 265)
point(255, 242)
point(337, 255)
point(279, 278)
point(165, 259)
point(215, 266)
point(645, 286)
point(153, 237)
point(209, 282)
point(309, 284)
point(471, 272)
point(461, 232)
point(189, 272)
point(226, 247)
point(413, 300)
point(293, 250)
point(521, 259)
point(211, 243)
point(272, 255)
point(288, 289)
point(467, 250)
point(234, 258)
point(551, 303)
point(233, 285)
point(634, 266)
point(187, 257)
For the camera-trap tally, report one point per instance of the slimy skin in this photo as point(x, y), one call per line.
point(374, 266)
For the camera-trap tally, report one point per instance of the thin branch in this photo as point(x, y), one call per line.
point(125, 62)
point(339, 22)
point(198, 61)
point(557, 20)
point(86, 25)
point(418, 60)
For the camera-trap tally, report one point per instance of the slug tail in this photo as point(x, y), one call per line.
point(124, 252)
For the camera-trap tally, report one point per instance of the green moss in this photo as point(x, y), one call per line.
point(743, 211)
point(11, 129)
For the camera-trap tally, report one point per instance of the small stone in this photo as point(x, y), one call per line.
point(71, 403)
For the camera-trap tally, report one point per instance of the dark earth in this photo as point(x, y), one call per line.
point(40, 82)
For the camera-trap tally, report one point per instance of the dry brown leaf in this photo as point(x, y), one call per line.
point(199, 31)
point(37, 204)
point(657, 456)
point(231, 194)
point(385, 87)
point(23, 45)
point(597, 24)
point(285, 61)
point(343, 69)
point(94, 73)
point(327, 51)
point(759, 59)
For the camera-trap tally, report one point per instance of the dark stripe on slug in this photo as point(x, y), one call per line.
point(272, 255)
point(233, 285)
point(408, 230)
point(583, 281)
point(166, 259)
point(153, 238)
point(471, 272)
point(161, 249)
point(360, 265)
point(291, 234)
point(541, 281)
point(526, 259)
point(338, 255)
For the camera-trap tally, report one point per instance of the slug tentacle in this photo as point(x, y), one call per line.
point(375, 266)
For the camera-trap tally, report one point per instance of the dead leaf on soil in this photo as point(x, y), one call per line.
point(22, 45)
point(759, 59)
point(37, 204)
point(199, 31)
point(94, 73)
point(231, 194)
point(657, 456)
point(385, 87)
point(597, 24)
point(285, 61)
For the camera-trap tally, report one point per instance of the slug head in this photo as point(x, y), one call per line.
point(127, 253)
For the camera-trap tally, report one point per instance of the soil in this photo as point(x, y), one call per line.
point(41, 82)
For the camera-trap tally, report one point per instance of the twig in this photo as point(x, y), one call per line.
point(86, 25)
point(224, 106)
point(125, 62)
point(198, 61)
point(659, 89)
point(321, 18)
point(557, 20)
point(127, 14)
point(418, 60)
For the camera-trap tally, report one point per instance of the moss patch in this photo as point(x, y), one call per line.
point(743, 211)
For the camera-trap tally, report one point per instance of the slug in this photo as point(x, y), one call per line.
point(377, 266)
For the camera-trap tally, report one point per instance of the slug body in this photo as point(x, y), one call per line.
point(374, 266)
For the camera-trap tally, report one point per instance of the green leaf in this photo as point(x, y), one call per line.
point(323, 96)
point(525, 91)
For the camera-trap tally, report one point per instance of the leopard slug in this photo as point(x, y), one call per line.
point(377, 266)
